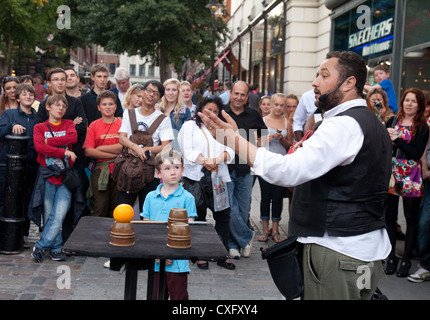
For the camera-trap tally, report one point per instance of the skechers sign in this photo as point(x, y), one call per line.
point(374, 39)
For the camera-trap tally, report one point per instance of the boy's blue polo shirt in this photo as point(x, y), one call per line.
point(157, 208)
point(387, 85)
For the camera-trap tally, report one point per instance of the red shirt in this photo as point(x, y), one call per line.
point(54, 149)
point(101, 133)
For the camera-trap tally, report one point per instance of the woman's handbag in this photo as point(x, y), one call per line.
point(219, 187)
point(220, 192)
point(285, 265)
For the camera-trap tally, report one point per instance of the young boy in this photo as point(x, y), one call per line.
point(20, 121)
point(170, 194)
point(102, 144)
point(53, 140)
point(381, 75)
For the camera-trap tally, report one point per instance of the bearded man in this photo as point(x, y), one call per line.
point(340, 175)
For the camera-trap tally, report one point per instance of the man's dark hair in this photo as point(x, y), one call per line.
point(156, 83)
point(351, 64)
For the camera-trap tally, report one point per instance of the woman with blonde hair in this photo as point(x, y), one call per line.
point(277, 142)
point(134, 97)
point(172, 105)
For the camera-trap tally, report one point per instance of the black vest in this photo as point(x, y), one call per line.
point(348, 200)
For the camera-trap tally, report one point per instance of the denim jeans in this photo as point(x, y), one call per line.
point(239, 193)
point(424, 228)
point(56, 204)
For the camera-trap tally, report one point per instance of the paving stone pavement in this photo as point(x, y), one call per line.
point(23, 279)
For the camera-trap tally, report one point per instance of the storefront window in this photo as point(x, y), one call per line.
point(416, 63)
point(234, 60)
point(274, 56)
point(368, 33)
point(244, 56)
point(417, 23)
point(257, 53)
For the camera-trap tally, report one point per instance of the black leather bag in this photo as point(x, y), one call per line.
point(71, 179)
point(285, 265)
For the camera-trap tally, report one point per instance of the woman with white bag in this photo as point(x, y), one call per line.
point(205, 163)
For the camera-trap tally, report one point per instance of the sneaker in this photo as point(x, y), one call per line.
point(37, 254)
point(246, 252)
point(57, 256)
point(419, 276)
point(234, 254)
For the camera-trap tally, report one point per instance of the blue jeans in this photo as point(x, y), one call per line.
point(239, 193)
point(424, 228)
point(56, 204)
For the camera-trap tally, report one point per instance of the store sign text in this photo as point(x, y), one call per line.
point(375, 32)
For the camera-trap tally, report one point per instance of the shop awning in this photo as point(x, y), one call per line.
point(224, 56)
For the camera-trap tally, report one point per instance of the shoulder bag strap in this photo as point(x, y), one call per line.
point(155, 124)
point(133, 120)
point(393, 125)
point(66, 164)
point(207, 140)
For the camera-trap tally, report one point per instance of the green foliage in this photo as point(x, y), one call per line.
point(25, 24)
point(174, 28)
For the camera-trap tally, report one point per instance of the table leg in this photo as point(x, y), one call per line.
point(150, 284)
point(161, 279)
point(130, 283)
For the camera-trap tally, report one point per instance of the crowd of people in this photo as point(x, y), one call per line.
point(73, 125)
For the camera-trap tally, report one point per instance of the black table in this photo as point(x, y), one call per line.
point(92, 235)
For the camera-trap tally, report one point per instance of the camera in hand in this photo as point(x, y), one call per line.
point(378, 104)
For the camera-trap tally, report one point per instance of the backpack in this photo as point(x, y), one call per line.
point(131, 173)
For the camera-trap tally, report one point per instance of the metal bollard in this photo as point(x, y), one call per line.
point(12, 219)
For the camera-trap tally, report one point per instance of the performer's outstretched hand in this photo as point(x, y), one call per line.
point(224, 132)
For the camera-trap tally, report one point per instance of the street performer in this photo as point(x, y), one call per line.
point(340, 176)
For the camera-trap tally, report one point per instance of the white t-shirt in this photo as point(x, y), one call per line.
point(164, 131)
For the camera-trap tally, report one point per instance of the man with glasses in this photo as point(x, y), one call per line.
point(57, 81)
point(153, 91)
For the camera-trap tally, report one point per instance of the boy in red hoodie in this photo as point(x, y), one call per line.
point(53, 140)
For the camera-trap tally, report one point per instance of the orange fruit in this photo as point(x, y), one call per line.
point(123, 213)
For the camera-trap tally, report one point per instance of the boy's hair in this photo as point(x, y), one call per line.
point(382, 67)
point(167, 154)
point(24, 87)
point(54, 70)
point(99, 67)
point(105, 95)
point(55, 98)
